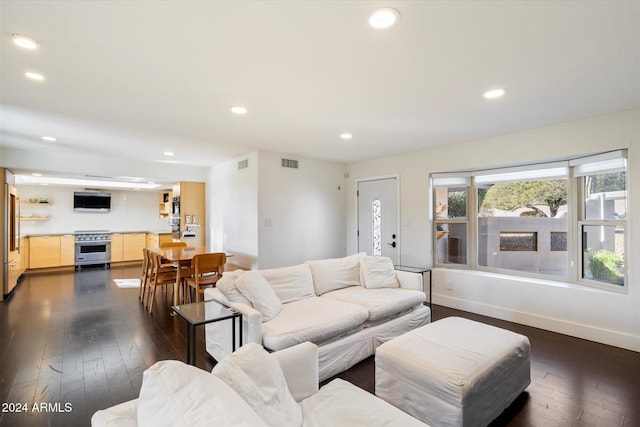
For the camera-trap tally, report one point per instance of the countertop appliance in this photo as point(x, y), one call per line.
point(93, 247)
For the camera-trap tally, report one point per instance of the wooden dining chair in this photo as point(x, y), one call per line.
point(173, 245)
point(207, 270)
point(146, 272)
point(161, 275)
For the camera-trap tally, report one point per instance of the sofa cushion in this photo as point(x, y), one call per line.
point(378, 272)
point(380, 303)
point(340, 403)
point(335, 273)
point(290, 283)
point(257, 290)
point(177, 394)
point(257, 378)
point(227, 286)
point(315, 319)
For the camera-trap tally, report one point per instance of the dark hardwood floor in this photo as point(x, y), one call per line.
point(80, 343)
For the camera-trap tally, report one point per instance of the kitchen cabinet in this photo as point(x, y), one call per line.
point(154, 240)
point(44, 251)
point(67, 250)
point(116, 247)
point(132, 245)
point(192, 207)
point(24, 254)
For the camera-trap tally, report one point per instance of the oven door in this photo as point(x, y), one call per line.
point(93, 253)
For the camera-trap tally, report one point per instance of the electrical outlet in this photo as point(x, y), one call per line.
point(449, 285)
point(268, 222)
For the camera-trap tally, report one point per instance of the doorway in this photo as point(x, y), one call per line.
point(378, 218)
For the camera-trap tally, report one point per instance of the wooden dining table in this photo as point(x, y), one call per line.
point(180, 257)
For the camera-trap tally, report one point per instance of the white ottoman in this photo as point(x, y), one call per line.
point(453, 372)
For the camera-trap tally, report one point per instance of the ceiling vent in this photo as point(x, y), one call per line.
point(243, 164)
point(290, 163)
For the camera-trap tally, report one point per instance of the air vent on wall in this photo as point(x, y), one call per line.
point(290, 163)
point(243, 164)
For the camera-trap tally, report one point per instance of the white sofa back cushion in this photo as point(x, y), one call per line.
point(336, 273)
point(378, 272)
point(227, 286)
point(258, 379)
point(290, 283)
point(257, 290)
point(176, 394)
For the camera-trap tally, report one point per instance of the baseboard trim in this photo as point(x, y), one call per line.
point(561, 326)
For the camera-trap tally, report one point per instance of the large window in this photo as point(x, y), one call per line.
point(602, 218)
point(451, 220)
point(563, 220)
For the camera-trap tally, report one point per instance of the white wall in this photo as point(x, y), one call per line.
point(270, 216)
point(301, 211)
point(232, 210)
point(130, 211)
point(597, 315)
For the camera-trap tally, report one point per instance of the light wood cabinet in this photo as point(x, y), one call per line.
point(67, 250)
point(44, 251)
point(164, 238)
point(132, 245)
point(116, 247)
point(153, 241)
point(192, 204)
point(24, 254)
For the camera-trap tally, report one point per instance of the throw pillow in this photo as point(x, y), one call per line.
point(257, 290)
point(290, 283)
point(378, 272)
point(227, 286)
point(257, 378)
point(180, 395)
point(336, 273)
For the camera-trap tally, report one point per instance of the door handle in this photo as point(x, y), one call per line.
point(392, 244)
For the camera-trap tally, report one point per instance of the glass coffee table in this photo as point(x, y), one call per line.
point(201, 313)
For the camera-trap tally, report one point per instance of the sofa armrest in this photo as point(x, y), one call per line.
point(299, 364)
point(218, 335)
point(409, 280)
point(121, 415)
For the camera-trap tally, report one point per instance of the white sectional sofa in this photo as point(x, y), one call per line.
point(347, 306)
point(251, 388)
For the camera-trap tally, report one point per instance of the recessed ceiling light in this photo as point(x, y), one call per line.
point(49, 138)
point(239, 110)
point(383, 18)
point(168, 153)
point(494, 93)
point(34, 76)
point(24, 41)
point(36, 174)
point(346, 136)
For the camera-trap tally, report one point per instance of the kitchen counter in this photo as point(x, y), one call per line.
point(160, 233)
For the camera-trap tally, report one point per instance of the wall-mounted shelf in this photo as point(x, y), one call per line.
point(35, 204)
point(34, 218)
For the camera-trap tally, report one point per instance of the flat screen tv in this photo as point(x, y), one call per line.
point(91, 201)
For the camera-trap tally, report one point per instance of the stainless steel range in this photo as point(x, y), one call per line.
point(93, 247)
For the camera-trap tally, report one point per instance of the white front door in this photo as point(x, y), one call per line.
point(378, 218)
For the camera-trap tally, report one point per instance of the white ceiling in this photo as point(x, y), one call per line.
point(137, 78)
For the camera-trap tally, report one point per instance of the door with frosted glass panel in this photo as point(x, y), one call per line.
point(378, 218)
